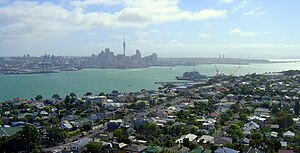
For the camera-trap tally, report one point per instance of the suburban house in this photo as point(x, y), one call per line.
point(135, 149)
point(79, 144)
point(206, 139)
point(66, 125)
point(251, 126)
point(114, 124)
point(226, 150)
point(190, 137)
point(8, 131)
point(261, 111)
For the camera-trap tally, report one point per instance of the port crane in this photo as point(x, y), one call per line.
point(235, 71)
point(217, 70)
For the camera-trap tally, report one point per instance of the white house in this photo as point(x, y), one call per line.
point(79, 144)
point(206, 139)
point(289, 134)
point(191, 137)
point(66, 125)
point(251, 126)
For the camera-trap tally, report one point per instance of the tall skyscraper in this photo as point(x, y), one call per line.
point(124, 45)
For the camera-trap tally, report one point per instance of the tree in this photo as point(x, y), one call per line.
point(26, 106)
point(185, 93)
point(224, 118)
point(194, 130)
point(67, 102)
point(55, 134)
point(141, 105)
point(87, 127)
point(277, 145)
point(1, 122)
point(186, 142)
point(93, 147)
point(234, 131)
point(31, 138)
point(170, 143)
point(121, 135)
point(53, 120)
point(236, 107)
point(38, 97)
point(183, 115)
point(115, 92)
point(88, 94)
point(297, 108)
point(243, 117)
point(256, 136)
point(55, 96)
point(132, 106)
point(284, 119)
point(47, 109)
point(73, 95)
point(265, 105)
point(101, 94)
point(152, 130)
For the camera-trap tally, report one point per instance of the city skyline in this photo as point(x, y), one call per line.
point(170, 28)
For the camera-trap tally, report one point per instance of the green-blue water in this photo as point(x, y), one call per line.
point(99, 80)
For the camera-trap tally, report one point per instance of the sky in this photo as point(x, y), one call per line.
point(260, 29)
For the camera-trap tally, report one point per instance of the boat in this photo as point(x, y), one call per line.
point(192, 76)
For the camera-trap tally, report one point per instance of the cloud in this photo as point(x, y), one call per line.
point(204, 35)
point(255, 12)
point(268, 32)
point(225, 1)
point(39, 20)
point(86, 3)
point(242, 5)
point(238, 31)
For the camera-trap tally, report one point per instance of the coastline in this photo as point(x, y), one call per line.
point(123, 80)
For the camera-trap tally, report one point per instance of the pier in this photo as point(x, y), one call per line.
point(174, 82)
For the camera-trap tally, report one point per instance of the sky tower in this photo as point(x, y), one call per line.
point(124, 45)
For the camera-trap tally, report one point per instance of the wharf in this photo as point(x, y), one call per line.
point(174, 82)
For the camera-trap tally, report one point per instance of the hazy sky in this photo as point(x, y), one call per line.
point(171, 28)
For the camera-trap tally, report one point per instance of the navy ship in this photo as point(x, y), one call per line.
point(193, 76)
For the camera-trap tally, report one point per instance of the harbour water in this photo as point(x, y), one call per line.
point(106, 80)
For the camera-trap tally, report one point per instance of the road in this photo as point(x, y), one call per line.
point(68, 141)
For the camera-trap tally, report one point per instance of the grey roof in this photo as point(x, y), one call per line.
point(82, 142)
point(136, 148)
point(8, 131)
point(226, 150)
point(223, 140)
point(254, 150)
point(177, 149)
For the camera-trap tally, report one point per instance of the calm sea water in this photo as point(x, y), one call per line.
point(99, 80)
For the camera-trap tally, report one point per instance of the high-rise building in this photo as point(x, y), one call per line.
point(138, 54)
point(124, 45)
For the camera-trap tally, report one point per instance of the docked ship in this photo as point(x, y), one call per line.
point(192, 76)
